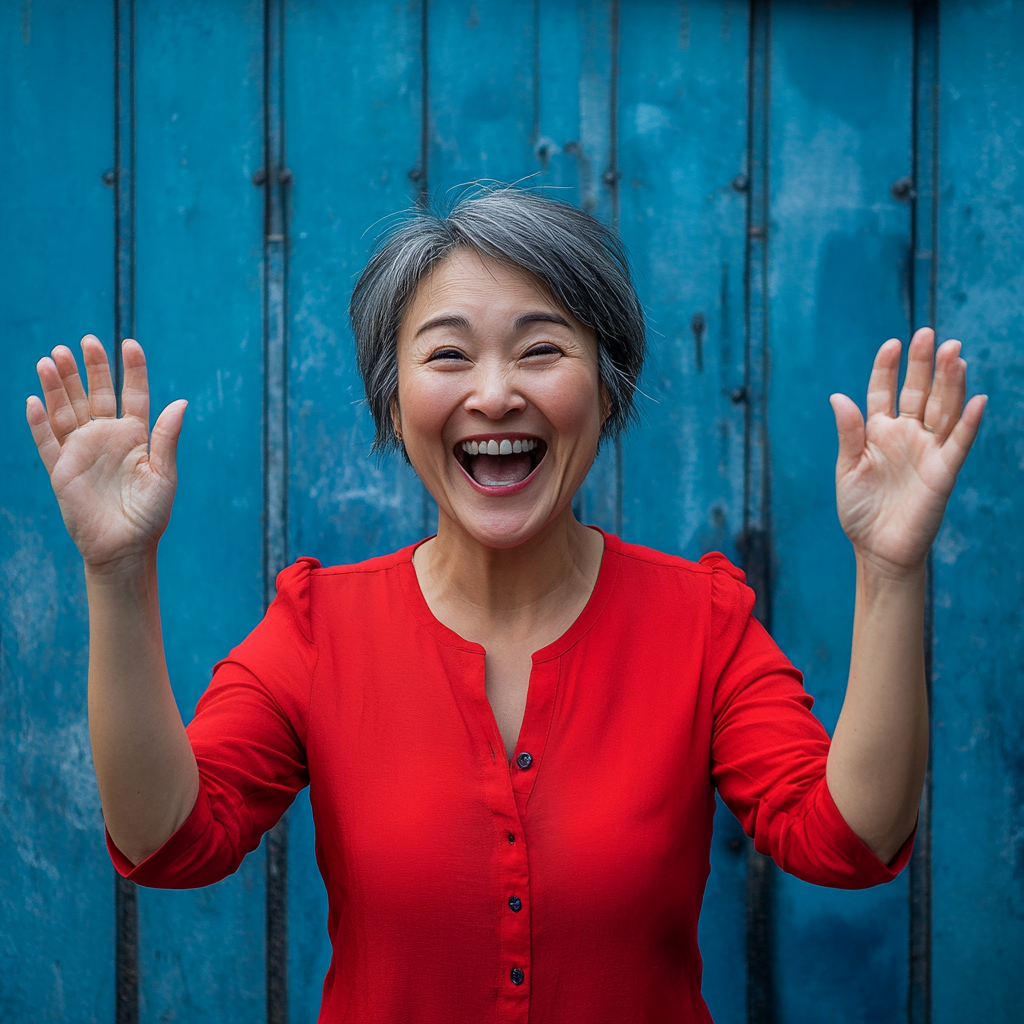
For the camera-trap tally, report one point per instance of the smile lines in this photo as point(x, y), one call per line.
point(493, 447)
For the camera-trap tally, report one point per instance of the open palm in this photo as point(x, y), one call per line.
point(114, 481)
point(895, 473)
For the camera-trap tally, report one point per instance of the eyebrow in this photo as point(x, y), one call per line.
point(540, 318)
point(444, 321)
point(461, 323)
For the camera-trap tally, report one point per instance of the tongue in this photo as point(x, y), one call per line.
point(499, 470)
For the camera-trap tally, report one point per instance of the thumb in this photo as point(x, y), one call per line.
point(163, 442)
point(850, 427)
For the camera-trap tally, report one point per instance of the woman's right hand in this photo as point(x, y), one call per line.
point(114, 481)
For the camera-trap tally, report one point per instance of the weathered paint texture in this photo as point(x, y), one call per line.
point(747, 153)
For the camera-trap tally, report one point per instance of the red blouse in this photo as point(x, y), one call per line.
point(563, 887)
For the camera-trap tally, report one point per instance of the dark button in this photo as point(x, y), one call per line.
point(524, 760)
point(517, 976)
point(515, 903)
point(511, 837)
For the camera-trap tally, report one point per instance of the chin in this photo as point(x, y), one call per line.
point(503, 529)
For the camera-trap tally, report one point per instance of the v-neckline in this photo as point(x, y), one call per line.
point(544, 670)
point(576, 630)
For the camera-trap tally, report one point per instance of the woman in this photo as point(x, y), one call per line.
point(512, 731)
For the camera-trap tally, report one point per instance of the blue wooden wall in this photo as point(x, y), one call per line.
point(796, 182)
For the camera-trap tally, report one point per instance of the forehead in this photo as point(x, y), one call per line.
point(478, 285)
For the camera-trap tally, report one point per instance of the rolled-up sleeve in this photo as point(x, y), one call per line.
point(248, 737)
point(769, 752)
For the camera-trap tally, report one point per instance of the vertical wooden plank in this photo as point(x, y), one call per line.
point(682, 154)
point(574, 152)
point(683, 105)
point(353, 111)
point(482, 71)
point(838, 244)
point(56, 277)
point(978, 817)
point(199, 229)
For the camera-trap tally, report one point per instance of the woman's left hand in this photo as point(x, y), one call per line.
point(894, 475)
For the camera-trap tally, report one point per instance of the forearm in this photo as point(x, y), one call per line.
point(879, 753)
point(144, 763)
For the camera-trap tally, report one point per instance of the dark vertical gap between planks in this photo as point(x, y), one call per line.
point(611, 180)
point(923, 262)
point(276, 180)
point(421, 175)
point(754, 543)
point(124, 183)
point(535, 127)
point(126, 903)
point(422, 172)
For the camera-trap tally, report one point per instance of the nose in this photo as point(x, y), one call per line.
point(494, 391)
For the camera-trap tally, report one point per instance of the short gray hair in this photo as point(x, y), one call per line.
point(580, 261)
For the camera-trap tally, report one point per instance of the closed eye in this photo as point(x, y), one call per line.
point(446, 353)
point(545, 349)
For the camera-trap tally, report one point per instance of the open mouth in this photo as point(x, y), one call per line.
point(502, 460)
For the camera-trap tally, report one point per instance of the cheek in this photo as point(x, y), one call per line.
point(572, 402)
point(426, 402)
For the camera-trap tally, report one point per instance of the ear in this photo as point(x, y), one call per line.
point(396, 417)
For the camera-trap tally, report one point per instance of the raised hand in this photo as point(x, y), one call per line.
point(894, 475)
point(114, 481)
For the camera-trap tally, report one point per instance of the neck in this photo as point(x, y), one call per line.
point(512, 589)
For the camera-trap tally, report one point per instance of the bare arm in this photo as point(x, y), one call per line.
point(894, 476)
point(115, 486)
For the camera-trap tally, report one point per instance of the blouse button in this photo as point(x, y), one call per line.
point(511, 837)
point(524, 760)
point(517, 976)
point(515, 903)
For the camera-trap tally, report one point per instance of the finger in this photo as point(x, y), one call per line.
point(63, 420)
point(102, 400)
point(42, 433)
point(884, 377)
point(135, 390)
point(163, 444)
point(850, 427)
point(962, 436)
point(949, 386)
point(918, 381)
point(67, 367)
point(964, 432)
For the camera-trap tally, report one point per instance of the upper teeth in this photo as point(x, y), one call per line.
point(493, 447)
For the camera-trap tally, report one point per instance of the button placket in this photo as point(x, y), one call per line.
point(516, 962)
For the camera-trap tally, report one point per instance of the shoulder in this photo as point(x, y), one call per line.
point(307, 585)
point(649, 562)
point(712, 588)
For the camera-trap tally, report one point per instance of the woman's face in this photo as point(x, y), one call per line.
point(499, 403)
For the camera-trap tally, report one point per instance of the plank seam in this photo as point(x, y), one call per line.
point(126, 903)
point(277, 180)
point(754, 542)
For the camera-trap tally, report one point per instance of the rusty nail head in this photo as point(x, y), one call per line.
point(259, 178)
point(740, 183)
point(109, 177)
point(902, 190)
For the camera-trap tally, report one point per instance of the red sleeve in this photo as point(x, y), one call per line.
point(768, 751)
point(248, 736)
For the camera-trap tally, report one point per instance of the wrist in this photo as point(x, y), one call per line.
point(882, 572)
point(127, 569)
